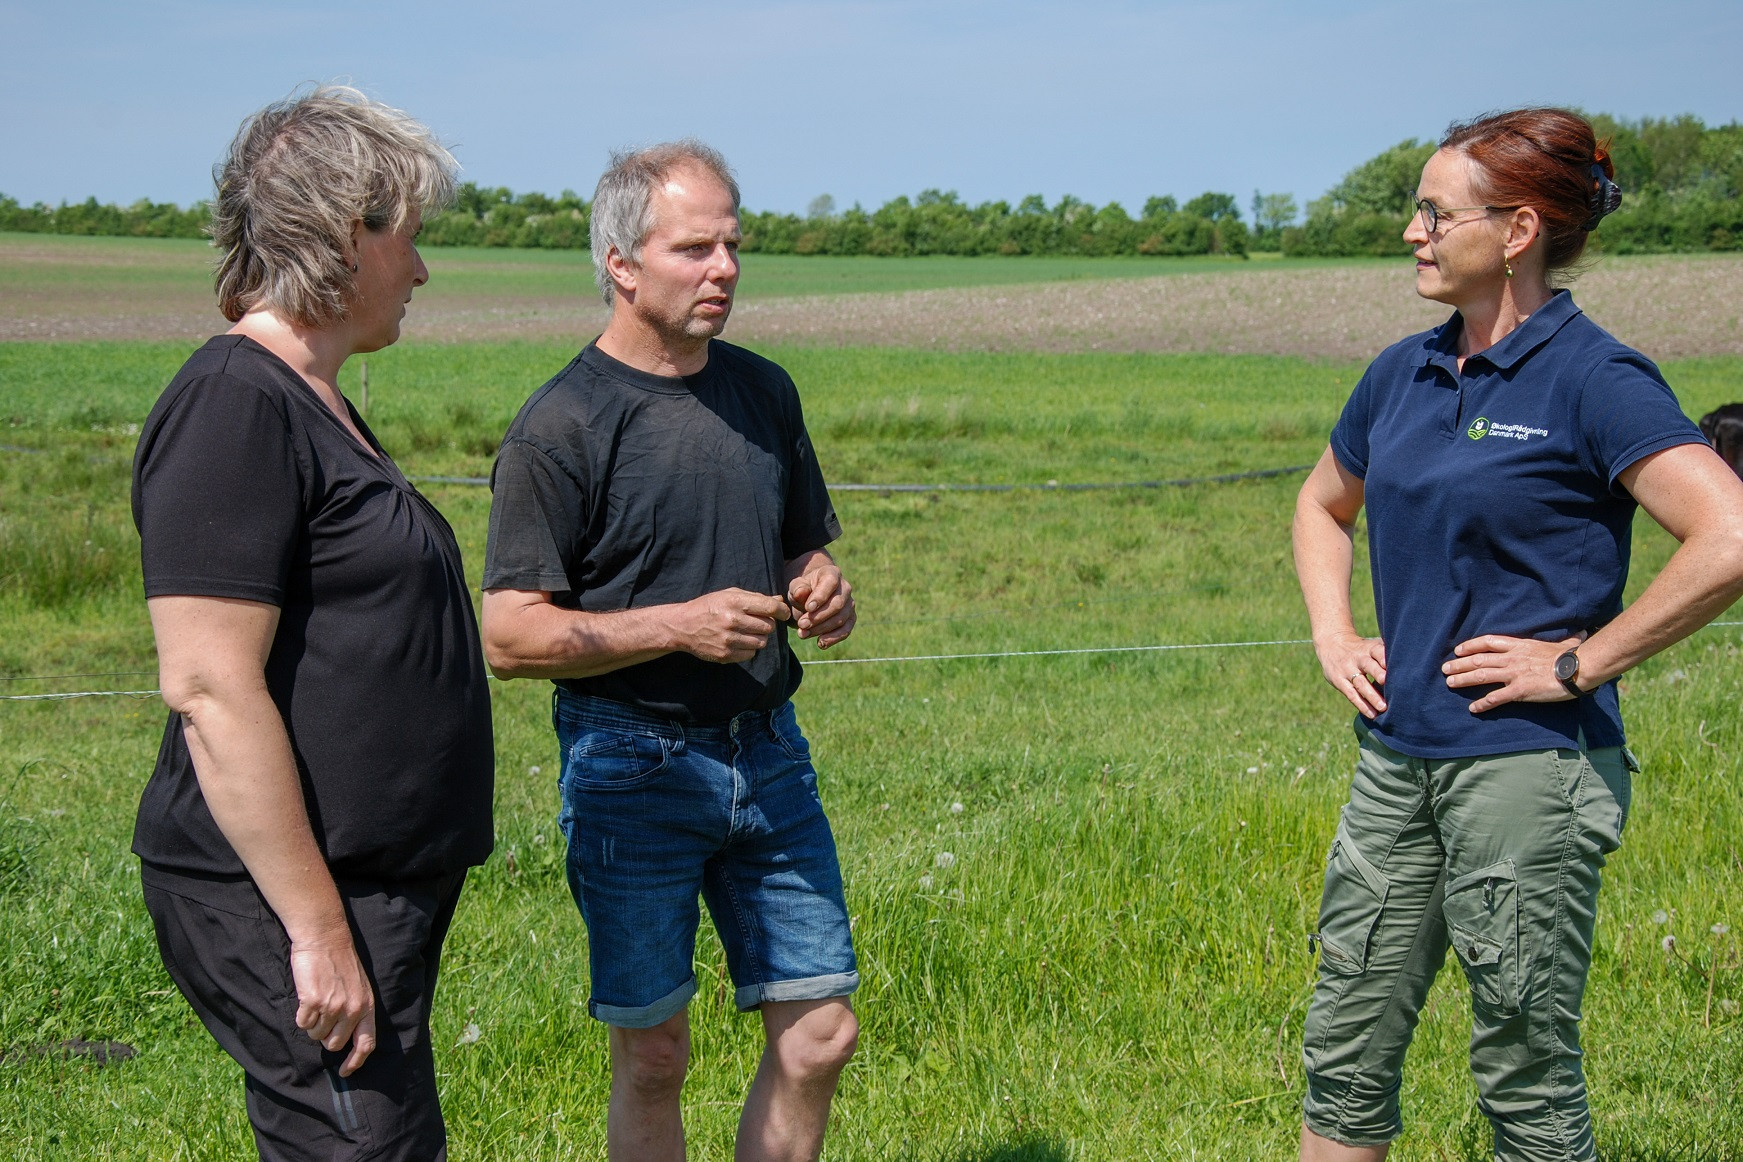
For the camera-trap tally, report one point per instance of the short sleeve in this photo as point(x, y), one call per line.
point(1349, 439)
point(218, 494)
point(809, 522)
point(1627, 412)
point(538, 515)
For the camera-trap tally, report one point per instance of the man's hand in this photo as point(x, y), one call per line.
point(1523, 668)
point(729, 625)
point(822, 603)
point(335, 1001)
point(1356, 668)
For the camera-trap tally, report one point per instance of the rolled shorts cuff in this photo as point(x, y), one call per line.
point(811, 988)
point(644, 1016)
point(1345, 1136)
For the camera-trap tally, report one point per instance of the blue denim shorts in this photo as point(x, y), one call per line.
point(659, 812)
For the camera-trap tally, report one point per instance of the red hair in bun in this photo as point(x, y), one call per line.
point(1548, 159)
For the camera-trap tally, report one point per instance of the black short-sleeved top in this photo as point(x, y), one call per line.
point(246, 486)
point(1494, 507)
point(618, 489)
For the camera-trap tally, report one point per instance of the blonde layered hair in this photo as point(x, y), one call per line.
point(299, 174)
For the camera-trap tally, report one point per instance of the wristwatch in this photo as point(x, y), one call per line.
point(1567, 669)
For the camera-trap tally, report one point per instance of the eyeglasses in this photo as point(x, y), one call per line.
point(1431, 213)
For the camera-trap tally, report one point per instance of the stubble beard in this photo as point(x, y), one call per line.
point(700, 330)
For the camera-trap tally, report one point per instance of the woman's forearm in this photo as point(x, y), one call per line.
point(1699, 582)
point(212, 666)
point(212, 654)
point(242, 758)
point(1325, 548)
point(1324, 560)
point(1695, 497)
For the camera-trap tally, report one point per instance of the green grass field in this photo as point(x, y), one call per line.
point(1111, 964)
point(181, 266)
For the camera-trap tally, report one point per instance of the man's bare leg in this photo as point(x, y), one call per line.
point(788, 1108)
point(644, 1122)
point(1317, 1149)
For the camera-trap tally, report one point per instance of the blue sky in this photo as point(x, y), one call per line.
point(1104, 99)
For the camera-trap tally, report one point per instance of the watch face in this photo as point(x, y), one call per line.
point(1567, 665)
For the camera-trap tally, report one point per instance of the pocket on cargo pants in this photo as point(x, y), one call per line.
point(1355, 894)
point(1482, 917)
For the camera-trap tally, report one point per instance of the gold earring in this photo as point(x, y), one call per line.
point(1507, 267)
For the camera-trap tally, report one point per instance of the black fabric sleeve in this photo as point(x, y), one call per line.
point(218, 495)
point(538, 517)
point(809, 521)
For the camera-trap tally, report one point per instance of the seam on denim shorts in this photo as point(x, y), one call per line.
point(751, 952)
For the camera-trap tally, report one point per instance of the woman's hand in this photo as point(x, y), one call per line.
point(335, 1001)
point(1356, 668)
point(1523, 668)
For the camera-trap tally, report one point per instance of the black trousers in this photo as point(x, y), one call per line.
point(229, 955)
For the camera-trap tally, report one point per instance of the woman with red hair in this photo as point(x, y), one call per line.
point(1500, 458)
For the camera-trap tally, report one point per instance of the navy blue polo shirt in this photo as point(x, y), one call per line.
point(1493, 507)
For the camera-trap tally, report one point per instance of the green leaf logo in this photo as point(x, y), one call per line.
point(1479, 428)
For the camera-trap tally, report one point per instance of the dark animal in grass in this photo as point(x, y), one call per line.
point(1723, 429)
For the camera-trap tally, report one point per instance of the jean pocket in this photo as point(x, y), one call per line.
point(784, 725)
point(609, 760)
point(1482, 916)
point(1349, 911)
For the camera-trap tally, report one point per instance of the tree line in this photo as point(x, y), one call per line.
point(1684, 183)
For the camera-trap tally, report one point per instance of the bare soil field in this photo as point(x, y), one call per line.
point(1671, 307)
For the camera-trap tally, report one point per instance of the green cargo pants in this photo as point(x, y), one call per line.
point(1500, 857)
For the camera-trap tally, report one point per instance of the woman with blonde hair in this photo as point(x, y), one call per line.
point(1501, 458)
point(325, 776)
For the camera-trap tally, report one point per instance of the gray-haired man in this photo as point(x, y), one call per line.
point(658, 519)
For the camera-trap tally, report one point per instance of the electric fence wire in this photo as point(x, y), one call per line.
point(1037, 486)
point(868, 661)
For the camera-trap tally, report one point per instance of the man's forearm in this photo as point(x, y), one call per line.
point(541, 640)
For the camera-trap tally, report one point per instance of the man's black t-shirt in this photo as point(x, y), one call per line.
point(246, 486)
point(618, 489)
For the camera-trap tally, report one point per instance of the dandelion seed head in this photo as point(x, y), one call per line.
point(1661, 917)
point(1668, 943)
point(1720, 929)
point(956, 808)
point(945, 860)
point(926, 882)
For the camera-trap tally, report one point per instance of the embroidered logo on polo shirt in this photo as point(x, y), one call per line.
point(1481, 426)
